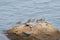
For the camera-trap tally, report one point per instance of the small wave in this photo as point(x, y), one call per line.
point(41, 1)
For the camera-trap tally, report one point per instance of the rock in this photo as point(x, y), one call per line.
point(42, 31)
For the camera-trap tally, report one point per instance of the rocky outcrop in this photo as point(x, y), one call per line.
point(40, 31)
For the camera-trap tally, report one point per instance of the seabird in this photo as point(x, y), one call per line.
point(41, 20)
point(31, 20)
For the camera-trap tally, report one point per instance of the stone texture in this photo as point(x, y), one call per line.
point(41, 31)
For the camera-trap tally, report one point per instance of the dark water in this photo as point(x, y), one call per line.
point(12, 11)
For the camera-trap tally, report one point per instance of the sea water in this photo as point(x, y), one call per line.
point(12, 11)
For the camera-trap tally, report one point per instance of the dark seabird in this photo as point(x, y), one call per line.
point(19, 22)
point(31, 20)
point(41, 20)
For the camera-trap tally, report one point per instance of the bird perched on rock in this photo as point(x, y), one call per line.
point(41, 20)
point(31, 20)
point(19, 22)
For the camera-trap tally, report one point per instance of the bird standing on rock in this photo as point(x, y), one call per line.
point(41, 20)
point(31, 20)
point(19, 22)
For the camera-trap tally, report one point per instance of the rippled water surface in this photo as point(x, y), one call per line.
point(12, 11)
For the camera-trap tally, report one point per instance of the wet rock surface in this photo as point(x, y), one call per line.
point(40, 31)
